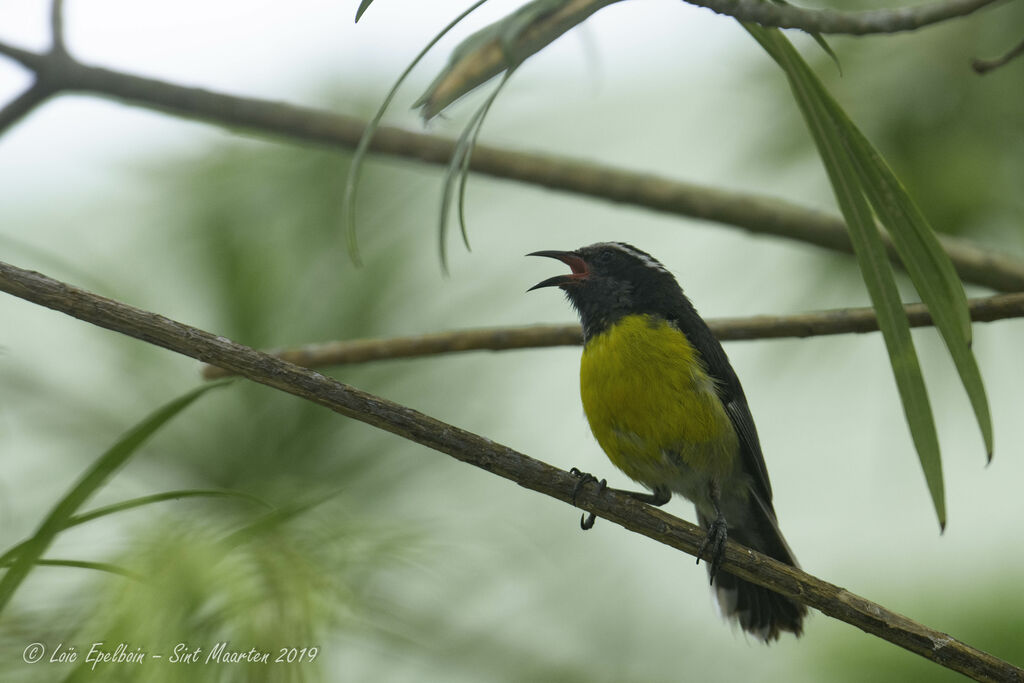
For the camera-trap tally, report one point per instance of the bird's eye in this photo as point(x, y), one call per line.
point(602, 258)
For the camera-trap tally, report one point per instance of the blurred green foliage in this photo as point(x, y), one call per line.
point(252, 235)
point(248, 235)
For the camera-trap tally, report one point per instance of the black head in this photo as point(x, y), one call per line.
point(612, 279)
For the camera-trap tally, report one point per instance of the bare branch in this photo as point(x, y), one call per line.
point(27, 58)
point(983, 66)
point(366, 350)
point(855, 320)
point(838, 321)
point(835, 21)
point(16, 109)
point(758, 214)
point(502, 461)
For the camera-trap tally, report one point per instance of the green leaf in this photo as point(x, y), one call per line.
point(93, 478)
point(458, 169)
point(355, 168)
point(6, 558)
point(820, 40)
point(363, 6)
point(83, 564)
point(843, 164)
point(928, 265)
point(517, 37)
point(160, 498)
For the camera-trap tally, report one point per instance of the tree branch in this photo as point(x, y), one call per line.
point(502, 461)
point(513, 39)
point(15, 110)
point(835, 21)
point(27, 58)
point(751, 212)
point(837, 321)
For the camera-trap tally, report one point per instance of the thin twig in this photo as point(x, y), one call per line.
point(821, 323)
point(758, 214)
point(983, 66)
point(58, 42)
point(366, 350)
point(502, 461)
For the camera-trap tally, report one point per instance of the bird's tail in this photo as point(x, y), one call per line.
point(761, 612)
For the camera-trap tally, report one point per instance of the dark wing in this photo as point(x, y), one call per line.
point(730, 393)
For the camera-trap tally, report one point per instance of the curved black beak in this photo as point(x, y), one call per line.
point(569, 258)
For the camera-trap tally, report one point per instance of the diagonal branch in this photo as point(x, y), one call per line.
point(856, 23)
point(502, 461)
point(838, 321)
point(27, 58)
point(758, 214)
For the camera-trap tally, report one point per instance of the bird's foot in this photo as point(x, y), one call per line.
point(584, 478)
point(714, 544)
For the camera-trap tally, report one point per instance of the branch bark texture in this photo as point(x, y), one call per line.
point(839, 321)
point(755, 213)
point(856, 23)
point(502, 461)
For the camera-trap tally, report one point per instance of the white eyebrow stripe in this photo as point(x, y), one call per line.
point(646, 259)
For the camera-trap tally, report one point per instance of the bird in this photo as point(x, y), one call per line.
point(667, 408)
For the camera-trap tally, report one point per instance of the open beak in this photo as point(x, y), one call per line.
point(569, 258)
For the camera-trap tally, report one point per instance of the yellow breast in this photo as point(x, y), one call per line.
point(652, 406)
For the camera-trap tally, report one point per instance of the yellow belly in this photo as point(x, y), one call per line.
point(653, 408)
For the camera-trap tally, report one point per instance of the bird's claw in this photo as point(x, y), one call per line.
point(714, 541)
point(584, 478)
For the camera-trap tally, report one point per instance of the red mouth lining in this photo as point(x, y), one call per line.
point(578, 266)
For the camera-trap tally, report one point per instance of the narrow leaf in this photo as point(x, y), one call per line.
point(458, 169)
point(363, 6)
point(829, 136)
point(356, 166)
point(93, 478)
point(503, 45)
point(926, 262)
point(83, 564)
point(820, 40)
point(160, 498)
point(5, 559)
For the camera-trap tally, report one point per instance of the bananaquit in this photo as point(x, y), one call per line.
point(669, 411)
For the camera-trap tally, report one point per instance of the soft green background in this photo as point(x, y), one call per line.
point(418, 567)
